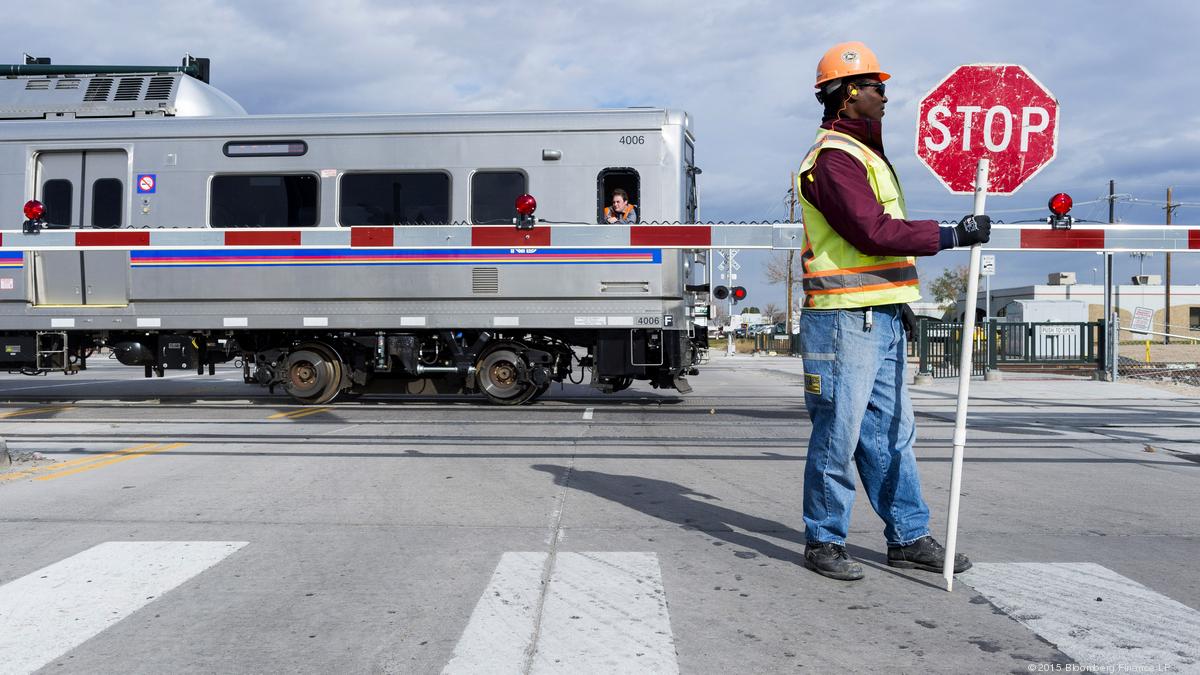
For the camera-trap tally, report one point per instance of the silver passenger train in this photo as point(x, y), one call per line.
point(135, 149)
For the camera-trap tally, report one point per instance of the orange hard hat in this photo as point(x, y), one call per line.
point(845, 59)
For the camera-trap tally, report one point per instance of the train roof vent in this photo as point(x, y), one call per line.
point(112, 95)
point(160, 88)
point(98, 89)
point(130, 89)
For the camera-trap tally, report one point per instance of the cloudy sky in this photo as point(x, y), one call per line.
point(1124, 74)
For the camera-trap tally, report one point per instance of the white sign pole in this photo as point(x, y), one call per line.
point(964, 381)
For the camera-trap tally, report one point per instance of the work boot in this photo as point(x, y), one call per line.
point(831, 560)
point(926, 554)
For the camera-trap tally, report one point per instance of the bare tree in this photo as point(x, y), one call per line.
point(777, 273)
point(774, 313)
point(777, 265)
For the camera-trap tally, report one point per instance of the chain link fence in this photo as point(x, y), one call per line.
point(1170, 353)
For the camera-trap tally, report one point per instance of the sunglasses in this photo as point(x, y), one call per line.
point(880, 86)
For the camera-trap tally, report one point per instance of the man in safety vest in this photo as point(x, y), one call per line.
point(621, 211)
point(859, 272)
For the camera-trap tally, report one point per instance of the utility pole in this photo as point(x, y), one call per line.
point(1167, 294)
point(1110, 330)
point(791, 252)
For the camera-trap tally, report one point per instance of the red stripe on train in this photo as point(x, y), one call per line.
point(112, 238)
point(370, 236)
point(1193, 238)
point(510, 236)
point(253, 238)
point(670, 235)
point(1086, 239)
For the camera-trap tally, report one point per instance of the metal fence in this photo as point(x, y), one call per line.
point(1148, 356)
point(1000, 343)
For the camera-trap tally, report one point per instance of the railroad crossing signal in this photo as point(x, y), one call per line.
point(739, 293)
point(1000, 112)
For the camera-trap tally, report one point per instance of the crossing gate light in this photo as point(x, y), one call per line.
point(739, 293)
point(720, 292)
point(525, 206)
point(1060, 204)
point(34, 212)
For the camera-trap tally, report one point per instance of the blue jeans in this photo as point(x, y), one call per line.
point(858, 402)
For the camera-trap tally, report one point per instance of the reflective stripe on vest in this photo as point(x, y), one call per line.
point(836, 274)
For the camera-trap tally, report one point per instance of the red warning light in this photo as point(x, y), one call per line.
point(526, 205)
point(739, 293)
point(1061, 203)
point(34, 210)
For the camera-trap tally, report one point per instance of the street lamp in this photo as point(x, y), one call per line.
point(1094, 270)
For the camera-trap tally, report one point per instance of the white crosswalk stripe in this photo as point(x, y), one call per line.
point(47, 613)
point(1099, 618)
point(597, 612)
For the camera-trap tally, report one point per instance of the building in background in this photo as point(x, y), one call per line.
point(1144, 291)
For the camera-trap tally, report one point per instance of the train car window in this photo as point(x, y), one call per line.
point(56, 196)
point(394, 199)
point(621, 178)
point(494, 196)
point(266, 149)
point(264, 200)
point(107, 194)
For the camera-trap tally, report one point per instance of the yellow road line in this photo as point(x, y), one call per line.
point(114, 460)
point(34, 411)
point(74, 462)
point(297, 414)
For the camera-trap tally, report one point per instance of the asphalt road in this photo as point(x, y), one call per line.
point(194, 524)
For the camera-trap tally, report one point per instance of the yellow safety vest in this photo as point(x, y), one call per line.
point(837, 275)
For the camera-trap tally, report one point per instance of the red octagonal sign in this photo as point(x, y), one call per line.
point(996, 111)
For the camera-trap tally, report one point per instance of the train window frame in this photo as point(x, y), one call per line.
point(117, 199)
point(602, 191)
point(56, 204)
point(471, 195)
point(340, 221)
point(691, 192)
point(212, 180)
point(226, 149)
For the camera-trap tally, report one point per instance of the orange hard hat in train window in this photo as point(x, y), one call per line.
point(845, 59)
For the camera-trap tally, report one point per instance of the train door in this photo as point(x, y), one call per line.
point(82, 190)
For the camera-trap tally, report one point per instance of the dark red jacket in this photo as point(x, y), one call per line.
point(841, 192)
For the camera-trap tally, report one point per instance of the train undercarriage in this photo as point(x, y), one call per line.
point(506, 368)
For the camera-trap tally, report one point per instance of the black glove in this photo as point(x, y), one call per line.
point(909, 319)
point(972, 230)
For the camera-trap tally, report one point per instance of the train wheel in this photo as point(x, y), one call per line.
point(314, 374)
point(621, 384)
point(502, 377)
point(539, 391)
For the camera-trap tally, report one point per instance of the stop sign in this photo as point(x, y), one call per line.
point(996, 111)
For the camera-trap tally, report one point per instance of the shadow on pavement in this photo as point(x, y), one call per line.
point(693, 510)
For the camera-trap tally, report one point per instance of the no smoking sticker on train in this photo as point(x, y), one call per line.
point(146, 183)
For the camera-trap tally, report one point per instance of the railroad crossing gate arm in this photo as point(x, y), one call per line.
point(780, 236)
